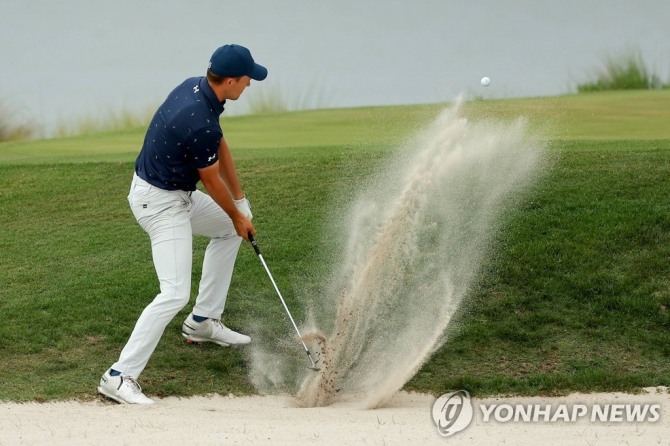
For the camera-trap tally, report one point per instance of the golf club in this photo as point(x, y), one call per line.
point(260, 256)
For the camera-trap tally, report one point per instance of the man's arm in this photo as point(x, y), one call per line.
point(228, 171)
point(214, 183)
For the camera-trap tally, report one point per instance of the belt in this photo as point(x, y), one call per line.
point(188, 192)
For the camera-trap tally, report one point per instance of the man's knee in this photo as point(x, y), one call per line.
point(172, 300)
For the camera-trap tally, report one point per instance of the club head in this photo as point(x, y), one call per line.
point(312, 361)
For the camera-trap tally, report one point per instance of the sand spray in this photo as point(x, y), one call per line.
point(413, 243)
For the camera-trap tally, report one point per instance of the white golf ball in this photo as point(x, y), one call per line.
point(485, 81)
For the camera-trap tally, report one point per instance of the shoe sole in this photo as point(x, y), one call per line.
point(119, 400)
point(106, 394)
point(197, 341)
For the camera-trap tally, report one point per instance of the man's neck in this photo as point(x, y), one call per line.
point(219, 91)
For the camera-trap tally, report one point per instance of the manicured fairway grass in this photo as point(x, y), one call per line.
point(575, 295)
point(609, 115)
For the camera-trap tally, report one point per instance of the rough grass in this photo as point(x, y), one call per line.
point(12, 129)
point(576, 296)
point(624, 71)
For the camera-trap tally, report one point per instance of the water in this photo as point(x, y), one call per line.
point(417, 237)
point(74, 59)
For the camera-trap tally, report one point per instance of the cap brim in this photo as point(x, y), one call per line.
point(258, 73)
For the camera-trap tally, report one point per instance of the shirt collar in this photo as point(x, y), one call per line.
point(217, 106)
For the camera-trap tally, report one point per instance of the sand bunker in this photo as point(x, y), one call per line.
point(275, 420)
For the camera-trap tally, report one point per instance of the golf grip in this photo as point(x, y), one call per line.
point(254, 244)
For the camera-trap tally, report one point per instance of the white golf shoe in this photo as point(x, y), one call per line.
point(123, 389)
point(212, 330)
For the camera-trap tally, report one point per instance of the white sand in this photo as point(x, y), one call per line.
point(275, 420)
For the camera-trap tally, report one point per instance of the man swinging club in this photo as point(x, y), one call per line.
point(184, 144)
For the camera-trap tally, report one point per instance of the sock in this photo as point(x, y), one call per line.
point(199, 318)
point(113, 372)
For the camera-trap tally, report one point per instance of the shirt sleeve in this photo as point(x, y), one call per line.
point(204, 146)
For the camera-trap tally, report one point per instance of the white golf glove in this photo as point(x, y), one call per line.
point(244, 207)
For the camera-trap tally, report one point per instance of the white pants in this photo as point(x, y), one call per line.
point(171, 218)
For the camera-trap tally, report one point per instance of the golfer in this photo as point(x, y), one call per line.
point(184, 144)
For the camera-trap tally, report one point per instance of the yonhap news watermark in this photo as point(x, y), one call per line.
point(453, 412)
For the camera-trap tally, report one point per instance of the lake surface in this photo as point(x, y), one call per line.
point(65, 61)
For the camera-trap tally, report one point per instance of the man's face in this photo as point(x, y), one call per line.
point(237, 86)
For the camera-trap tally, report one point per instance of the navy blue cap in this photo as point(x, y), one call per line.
point(236, 61)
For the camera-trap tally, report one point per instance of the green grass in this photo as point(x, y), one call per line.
point(610, 115)
point(575, 297)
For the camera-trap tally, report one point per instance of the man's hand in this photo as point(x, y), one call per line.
point(243, 227)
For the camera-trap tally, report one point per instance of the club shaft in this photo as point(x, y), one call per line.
point(288, 312)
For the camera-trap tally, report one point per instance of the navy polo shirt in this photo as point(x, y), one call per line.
point(184, 136)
